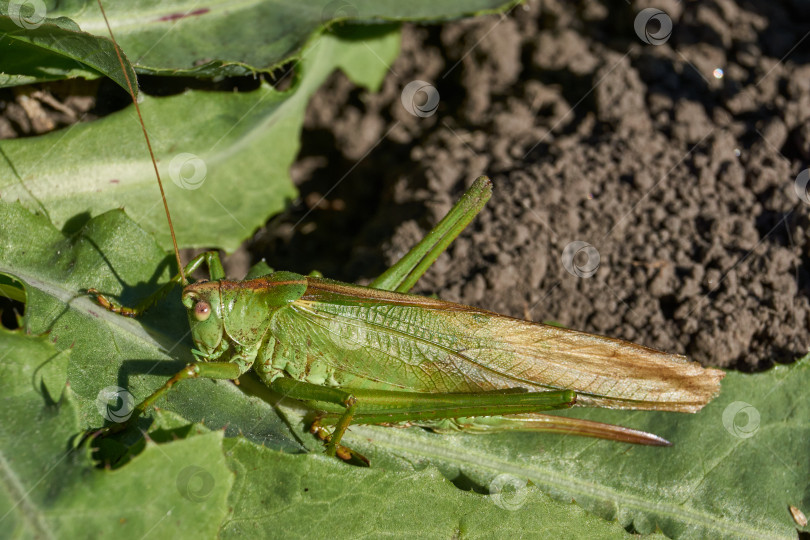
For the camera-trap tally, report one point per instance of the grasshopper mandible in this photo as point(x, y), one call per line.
point(409, 359)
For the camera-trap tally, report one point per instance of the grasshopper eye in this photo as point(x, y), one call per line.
point(202, 311)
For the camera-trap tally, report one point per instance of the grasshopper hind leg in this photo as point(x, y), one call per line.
point(403, 275)
point(343, 452)
point(342, 406)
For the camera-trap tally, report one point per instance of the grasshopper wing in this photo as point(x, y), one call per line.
point(366, 338)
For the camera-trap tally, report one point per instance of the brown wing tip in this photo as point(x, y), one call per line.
point(711, 378)
point(688, 393)
point(699, 388)
point(718, 374)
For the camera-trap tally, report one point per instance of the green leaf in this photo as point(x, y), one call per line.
point(37, 49)
point(224, 157)
point(50, 488)
point(191, 38)
point(312, 496)
point(716, 481)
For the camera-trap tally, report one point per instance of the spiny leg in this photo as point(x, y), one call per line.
point(215, 270)
point(384, 406)
point(488, 412)
point(195, 370)
point(313, 392)
point(404, 274)
point(344, 453)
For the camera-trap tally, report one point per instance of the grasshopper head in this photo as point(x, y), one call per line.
point(226, 313)
point(202, 300)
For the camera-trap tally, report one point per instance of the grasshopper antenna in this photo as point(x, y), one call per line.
point(148, 143)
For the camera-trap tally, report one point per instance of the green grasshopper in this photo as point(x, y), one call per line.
point(377, 355)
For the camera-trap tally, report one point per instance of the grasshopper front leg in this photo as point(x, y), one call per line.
point(215, 271)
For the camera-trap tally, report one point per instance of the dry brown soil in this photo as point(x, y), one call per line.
point(681, 181)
